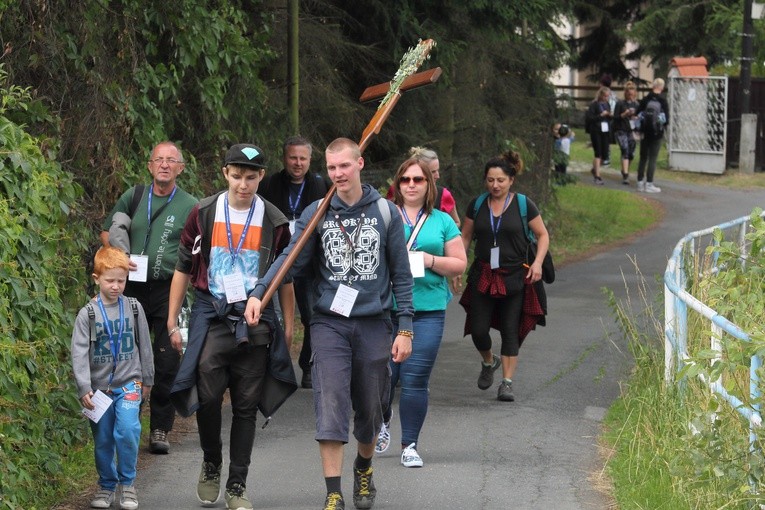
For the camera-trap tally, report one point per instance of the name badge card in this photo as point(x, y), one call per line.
point(604, 126)
point(142, 268)
point(345, 297)
point(633, 124)
point(417, 263)
point(101, 402)
point(494, 257)
point(233, 284)
point(292, 227)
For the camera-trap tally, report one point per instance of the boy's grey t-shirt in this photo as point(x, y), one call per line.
point(92, 367)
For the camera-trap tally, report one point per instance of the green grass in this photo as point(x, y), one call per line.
point(589, 218)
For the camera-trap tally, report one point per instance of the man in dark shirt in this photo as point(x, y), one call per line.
point(291, 190)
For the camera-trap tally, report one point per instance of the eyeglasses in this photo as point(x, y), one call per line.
point(405, 180)
point(169, 161)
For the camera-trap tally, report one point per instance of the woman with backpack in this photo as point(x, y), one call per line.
point(494, 294)
point(598, 125)
point(654, 114)
point(436, 253)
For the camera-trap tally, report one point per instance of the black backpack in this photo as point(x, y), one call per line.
point(652, 123)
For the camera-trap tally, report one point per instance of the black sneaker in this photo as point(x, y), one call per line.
point(486, 379)
point(505, 392)
point(364, 491)
point(334, 501)
point(158, 441)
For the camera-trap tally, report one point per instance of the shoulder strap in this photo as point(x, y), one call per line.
point(92, 319)
point(137, 196)
point(382, 204)
point(524, 216)
point(478, 202)
point(134, 305)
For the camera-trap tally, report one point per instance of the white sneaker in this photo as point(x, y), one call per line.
point(410, 457)
point(641, 185)
point(383, 438)
point(650, 188)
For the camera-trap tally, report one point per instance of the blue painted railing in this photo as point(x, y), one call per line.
point(678, 302)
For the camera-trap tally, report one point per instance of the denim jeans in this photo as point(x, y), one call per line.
point(118, 432)
point(414, 374)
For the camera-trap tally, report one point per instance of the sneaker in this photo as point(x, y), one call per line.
point(236, 498)
point(383, 438)
point(505, 391)
point(641, 186)
point(625, 179)
point(364, 491)
point(158, 441)
point(334, 501)
point(103, 499)
point(599, 181)
point(128, 498)
point(650, 188)
point(486, 379)
point(410, 457)
point(208, 488)
point(606, 162)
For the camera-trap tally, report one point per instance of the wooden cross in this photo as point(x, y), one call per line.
point(373, 128)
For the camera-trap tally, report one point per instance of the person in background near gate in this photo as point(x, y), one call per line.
point(625, 122)
point(496, 278)
point(153, 218)
point(563, 136)
point(654, 114)
point(444, 199)
point(228, 242)
point(605, 81)
point(598, 125)
point(111, 354)
point(436, 253)
point(291, 190)
point(358, 259)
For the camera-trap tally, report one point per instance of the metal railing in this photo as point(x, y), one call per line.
point(677, 303)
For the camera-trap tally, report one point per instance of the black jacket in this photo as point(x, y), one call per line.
point(276, 189)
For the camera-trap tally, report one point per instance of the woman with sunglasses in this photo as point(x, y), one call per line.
point(495, 283)
point(436, 254)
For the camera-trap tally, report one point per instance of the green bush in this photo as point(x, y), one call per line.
point(38, 260)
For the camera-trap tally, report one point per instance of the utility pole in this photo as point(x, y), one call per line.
point(293, 64)
point(745, 82)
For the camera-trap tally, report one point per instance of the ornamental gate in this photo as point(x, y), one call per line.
point(697, 128)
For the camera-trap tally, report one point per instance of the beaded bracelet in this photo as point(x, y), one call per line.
point(406, 332)
point(173, 331)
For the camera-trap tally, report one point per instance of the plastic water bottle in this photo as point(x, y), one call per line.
point(183, 323)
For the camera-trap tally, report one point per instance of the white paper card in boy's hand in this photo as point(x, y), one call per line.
point(102, 403)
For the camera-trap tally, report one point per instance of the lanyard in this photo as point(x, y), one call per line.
point(294, 206)
point(348, 239)
point(411, 225)
point(148, 213)
point(114, 346)
point(235, 253)
point(495, 229)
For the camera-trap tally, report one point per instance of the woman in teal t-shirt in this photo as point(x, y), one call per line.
point(436, 254)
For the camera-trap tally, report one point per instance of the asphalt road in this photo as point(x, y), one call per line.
point(539, 452)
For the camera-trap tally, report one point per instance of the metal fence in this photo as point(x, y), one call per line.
point(678, 302)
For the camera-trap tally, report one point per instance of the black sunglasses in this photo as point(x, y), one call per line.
point(405, 180)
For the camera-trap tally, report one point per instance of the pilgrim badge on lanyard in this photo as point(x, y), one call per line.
point(292, 227)
point(345, 297)
point(604, 126)
point(417, 263)
point(141, 272)
point(233, 284)
point(494, 257)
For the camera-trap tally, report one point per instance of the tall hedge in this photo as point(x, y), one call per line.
point(39, 261)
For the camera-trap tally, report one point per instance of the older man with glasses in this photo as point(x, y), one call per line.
point(147, 222)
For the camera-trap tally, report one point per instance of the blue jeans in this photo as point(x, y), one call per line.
point(414, 374)
point(118, 432)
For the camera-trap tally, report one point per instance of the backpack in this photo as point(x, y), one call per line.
point(653, 120)
point(92, 316)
